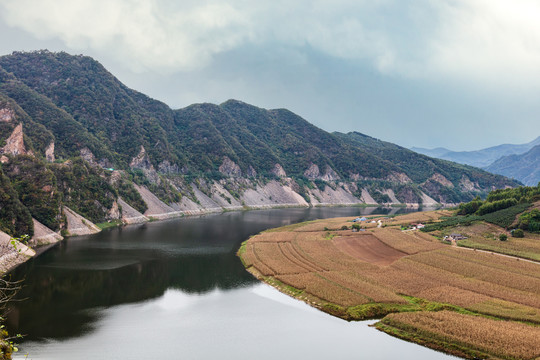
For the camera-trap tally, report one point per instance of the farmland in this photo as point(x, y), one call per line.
point(381, 271)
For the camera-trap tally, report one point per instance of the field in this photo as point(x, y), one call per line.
point(383, 270)
point(484, 236)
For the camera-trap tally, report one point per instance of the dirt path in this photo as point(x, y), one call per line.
point(454, 245)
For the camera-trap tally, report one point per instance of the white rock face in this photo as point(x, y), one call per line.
point(312, 172)
point(230, 168)
point(279, 171)
point(441, 180)
point(49, 152)
point(43, 235)
point(142, 162)
point(78, 225)
point(15, 142)
point(7, 115)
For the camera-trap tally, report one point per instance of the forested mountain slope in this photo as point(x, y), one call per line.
point(71, 134)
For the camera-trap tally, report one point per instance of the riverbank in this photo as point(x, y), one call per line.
point(383, 272)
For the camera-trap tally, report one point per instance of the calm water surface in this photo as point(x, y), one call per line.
point(176, 290)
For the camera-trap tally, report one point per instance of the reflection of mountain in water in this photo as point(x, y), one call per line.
point(137, 263)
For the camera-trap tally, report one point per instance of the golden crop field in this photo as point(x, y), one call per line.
point(503, 339)
point(351, 273)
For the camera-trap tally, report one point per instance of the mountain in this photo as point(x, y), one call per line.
point(524, 167)
point(479, 158)
point(437, 152)
point(75, 141)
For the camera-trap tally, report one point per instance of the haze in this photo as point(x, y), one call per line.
point(460, 74)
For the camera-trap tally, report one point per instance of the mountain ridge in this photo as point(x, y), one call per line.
point(524, 167)
point(94, 143)
point(482, 158)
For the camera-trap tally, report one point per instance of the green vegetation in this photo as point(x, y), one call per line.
point(96, 122)
point(530, 221)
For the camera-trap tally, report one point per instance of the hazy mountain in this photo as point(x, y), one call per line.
point(479, 158)
point(524, 167)
point(65, 120)
point(437, 152)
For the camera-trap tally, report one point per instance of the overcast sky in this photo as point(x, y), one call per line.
point(462, 74)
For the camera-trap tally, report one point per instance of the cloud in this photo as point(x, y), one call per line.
point(481, 41)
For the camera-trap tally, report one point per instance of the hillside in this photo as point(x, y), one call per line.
point(524, 167)
point(479, 158)
point(75, 140)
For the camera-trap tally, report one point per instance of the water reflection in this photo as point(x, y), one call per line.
point(137, 263)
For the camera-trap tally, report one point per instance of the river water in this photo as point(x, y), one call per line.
point(176, 290)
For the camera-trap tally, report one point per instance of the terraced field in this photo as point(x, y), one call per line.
point(383, 270)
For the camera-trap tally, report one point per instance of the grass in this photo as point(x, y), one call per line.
point(110, 224)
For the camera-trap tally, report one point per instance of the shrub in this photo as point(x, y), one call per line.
point(518, 233)
point(503, 237)
point(344, 227)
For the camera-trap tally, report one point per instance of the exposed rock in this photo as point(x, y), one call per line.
point(49, 152)
point(441, 180)
point(142, 162)
point(331, 196)
point(130, 215)
point(165, 167)
point(399, 178)
point(114, 212)
point(116, 176)
point(6, 115)
point(330, 174)
point(12, 254)
point(466, 184)
point(78, 225)
point(251, 172)
point(272, 194)
point(43, 235)
point(279, 171)
point(156, 208)
point(87, 155)
point(428, 201)
point(15, 142)
point(367, 198)
point(230, 168)
point(392, 196)
point(355, 177)
point(4, 159)
point(312, 172)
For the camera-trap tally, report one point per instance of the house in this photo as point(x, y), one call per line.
point(420, 226)
point(456, 236)
point(363, 219)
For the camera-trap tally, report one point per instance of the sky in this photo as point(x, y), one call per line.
point(462, 74)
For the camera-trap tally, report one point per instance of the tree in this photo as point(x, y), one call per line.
point(503, 237)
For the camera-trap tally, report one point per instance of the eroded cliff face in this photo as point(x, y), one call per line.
point(7, 115)
point(15, 143)
point(230, 168)
point(142, 162)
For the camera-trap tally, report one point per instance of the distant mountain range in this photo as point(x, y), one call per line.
point(524, 167)
point(75, 141)
point(479, 158)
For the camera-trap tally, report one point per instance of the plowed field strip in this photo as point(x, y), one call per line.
point(289, 250)
point(287, 253)
point(261, 266)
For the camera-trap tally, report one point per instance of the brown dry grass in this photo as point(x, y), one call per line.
point(350, 269)
point(500, 338)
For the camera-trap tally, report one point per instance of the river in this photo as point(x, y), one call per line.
point(176, 290)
